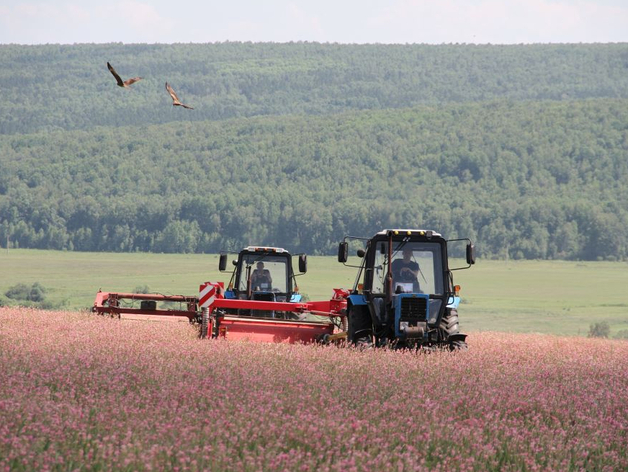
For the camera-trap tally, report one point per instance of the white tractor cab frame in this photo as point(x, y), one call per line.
point(264, 273)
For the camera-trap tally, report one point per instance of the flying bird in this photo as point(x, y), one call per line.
point(122, 83)
point(175, 100)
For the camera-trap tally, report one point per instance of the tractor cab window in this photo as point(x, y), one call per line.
point(268, 273)
point(416, 268)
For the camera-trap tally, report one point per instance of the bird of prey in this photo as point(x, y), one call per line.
point(175, 100)
point(122, 83)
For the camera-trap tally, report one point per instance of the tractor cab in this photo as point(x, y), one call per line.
point(404, 293)
point(264, 273)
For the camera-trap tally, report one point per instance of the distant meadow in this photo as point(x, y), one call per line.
point(550, 297)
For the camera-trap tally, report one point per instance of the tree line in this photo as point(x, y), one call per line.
point(524, 179)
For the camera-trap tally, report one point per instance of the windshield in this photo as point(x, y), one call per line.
point(416, 267)
point(268, 273)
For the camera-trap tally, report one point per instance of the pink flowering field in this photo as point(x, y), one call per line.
point(82, 392)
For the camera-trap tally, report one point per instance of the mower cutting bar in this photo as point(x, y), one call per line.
point(108, 303)
point(322, 313)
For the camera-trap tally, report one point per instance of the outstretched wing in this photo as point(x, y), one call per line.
point(132, 81)
point(175, 99)
point(115, 74)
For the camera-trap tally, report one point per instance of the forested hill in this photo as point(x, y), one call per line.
point(57, 87)
point(522, 148)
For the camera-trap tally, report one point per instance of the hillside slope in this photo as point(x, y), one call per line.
point(63, 87)
point(526, 180)
point(522, 148)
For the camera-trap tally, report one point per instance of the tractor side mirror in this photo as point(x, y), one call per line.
point(235, 262)
point(361, 253)
point(302, 263)
point(222, 263)
point(343, 252)
point(470, 254)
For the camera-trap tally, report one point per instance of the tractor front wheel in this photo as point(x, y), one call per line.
point(449, 329)
point(458, 345)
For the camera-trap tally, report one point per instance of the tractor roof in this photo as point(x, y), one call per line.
point(408, 232)
point(278, 250)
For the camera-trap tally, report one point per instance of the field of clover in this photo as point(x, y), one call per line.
point(83, 392)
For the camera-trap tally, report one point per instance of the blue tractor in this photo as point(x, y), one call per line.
point(404, 294)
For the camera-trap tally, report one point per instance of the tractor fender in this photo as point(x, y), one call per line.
point(453, 302)
point(457, 337)
point(356, 299)
point(359, 321)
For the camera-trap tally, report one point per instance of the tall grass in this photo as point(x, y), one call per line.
point(81, 392)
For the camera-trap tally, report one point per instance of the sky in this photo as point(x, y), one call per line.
point(327, 21)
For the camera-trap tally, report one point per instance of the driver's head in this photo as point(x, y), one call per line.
point(407, 253)
point(260, 265)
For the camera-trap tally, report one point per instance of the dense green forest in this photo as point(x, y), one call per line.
point(522, 148)
point(63, 87)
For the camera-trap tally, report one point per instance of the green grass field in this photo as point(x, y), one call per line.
point(555, 297)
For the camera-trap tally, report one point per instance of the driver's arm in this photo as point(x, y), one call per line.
point(414, 272)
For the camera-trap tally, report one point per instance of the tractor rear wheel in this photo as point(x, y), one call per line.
point(360, 326)
point(450, 326)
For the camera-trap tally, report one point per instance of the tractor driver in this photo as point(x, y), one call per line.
point(261, 279)
point(405, 271)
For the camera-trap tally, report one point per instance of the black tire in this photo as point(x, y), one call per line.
point(450, 326)
point(458, 345)
point(323, 339)
point(449, 323)
point(360, 326)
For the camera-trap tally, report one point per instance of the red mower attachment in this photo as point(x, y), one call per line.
point(234, 319)
point(267, 321)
